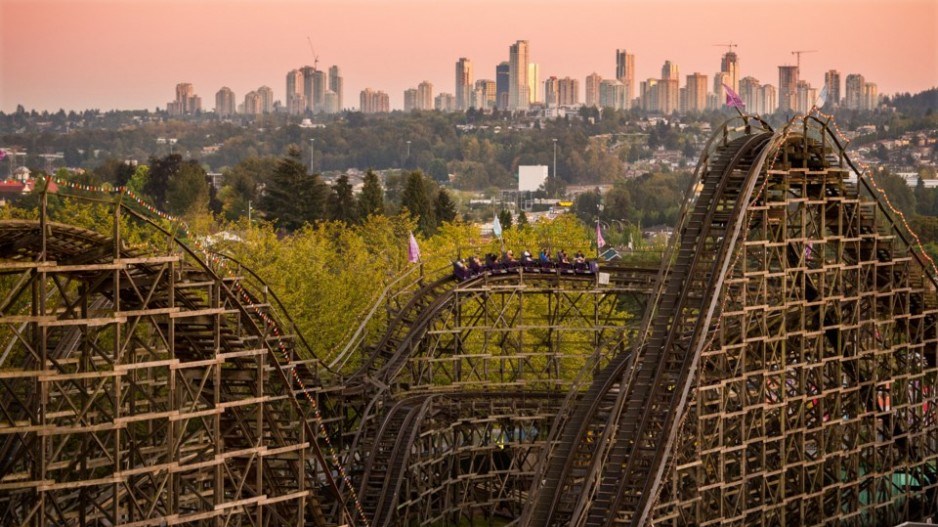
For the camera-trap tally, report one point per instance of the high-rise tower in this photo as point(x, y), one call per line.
point(625, 72)
point(832, 83)
point(592, 89)
point(518, 93)
point(336, 85)
point(224, 102)
point(502, 85)
point(295, 100)
point(729, 65)
point(463, 84)
point(787, 87)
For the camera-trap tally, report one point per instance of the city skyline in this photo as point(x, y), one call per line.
point(403, 52)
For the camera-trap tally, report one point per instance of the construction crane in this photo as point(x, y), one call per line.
point(729, 47)
point(315, 56)
point(798, 54)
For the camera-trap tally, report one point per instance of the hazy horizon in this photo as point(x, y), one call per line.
point(109, 54)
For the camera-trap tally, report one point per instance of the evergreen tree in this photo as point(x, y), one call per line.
point(371, 200)
point(444, 207)
point(416, 200)
point(162, 171)
point(504, 217)
point(293, 197)
point(342, 206)
point(522, 219)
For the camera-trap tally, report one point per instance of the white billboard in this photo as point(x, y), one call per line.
point(531, 177)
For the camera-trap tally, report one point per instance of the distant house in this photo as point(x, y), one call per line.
point(11, 189)
point(21, 174)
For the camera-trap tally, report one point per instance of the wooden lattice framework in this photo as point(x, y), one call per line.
point(143, 388)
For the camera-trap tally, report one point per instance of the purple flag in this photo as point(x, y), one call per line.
point(413, 251)
point(3, 155)
point(600, 242)
point(732, 99)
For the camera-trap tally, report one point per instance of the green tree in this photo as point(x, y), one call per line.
point(342, 206)
point(618, 202)
point(587, 205)
point(898, 192)
point(416, 199)
point(504, 217)
point(293, 197)
point(522, 219)
point(114, 171)
point(554, 187)
point(162, 170)
point(437, 170)
point(187, 191)
point(242, 185)
point(444, 207)
point(138, 181)
point(371, 200)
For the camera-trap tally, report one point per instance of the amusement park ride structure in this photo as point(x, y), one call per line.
point(779, 368)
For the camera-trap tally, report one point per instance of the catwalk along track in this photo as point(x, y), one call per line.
point(778, 368)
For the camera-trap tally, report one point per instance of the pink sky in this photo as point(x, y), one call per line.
point(77, 54)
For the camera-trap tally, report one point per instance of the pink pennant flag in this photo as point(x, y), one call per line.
point(600, 241)
point(413, 250)
point(3, 155)
point(732, 98)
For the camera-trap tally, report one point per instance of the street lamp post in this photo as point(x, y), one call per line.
point(312, 155)
point(555, 158)
point(407, 159)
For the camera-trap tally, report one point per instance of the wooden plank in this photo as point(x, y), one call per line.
point(189, 518)
point(179, 416)
point(284, 449)
point(242, 353)
point(25, 319)
point(20, 374)
point(143, 365)
point(241, 503)
point(25, 265)
point(196, 364)
point(58, 377)
point(286, 497)
point(19, 485)
point(198, 312)
point(90, 322)
point(147, 312)
point(86, 267)
point(50, 430)
point(196, 466)
point(244, 402)
point(145, 417)
point(147, 469)
point(149, 259)
point(110, 480)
